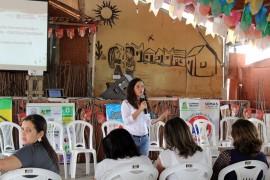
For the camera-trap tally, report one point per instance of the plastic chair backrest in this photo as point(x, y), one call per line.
point(267, 175)
point(228, 121)
point(133, 172)
point(110, 125)
point(260, 124)
point(202, 128)
point(55, 135)
point(242, 172)
point(76, 134)
point(155, 140)
point(194, 171)
point(30, 174)
point(6, 142)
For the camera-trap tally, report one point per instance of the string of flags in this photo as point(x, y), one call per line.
point(236, 26)
point(70, 32)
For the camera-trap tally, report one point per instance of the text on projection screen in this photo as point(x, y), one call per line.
point(23, 35)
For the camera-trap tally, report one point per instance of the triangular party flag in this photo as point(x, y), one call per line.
point(255, 6)
point(199, 19)
point(246, 19)
point(92, 28)
point(230, 38)
point(267, 31)
point(233, 19)
point(204, 9)
point(81, 31)
point(178, 10)
point(59, 33)
point(158, 3)
point(240, 35)
point(229, 1)
point(152, 8)
point(260, 15)
point(136, 2)
point(70, 33)
point(262, 25)
point(171, 10)
point(216, 8)
point(209, 29)
point(49, 32)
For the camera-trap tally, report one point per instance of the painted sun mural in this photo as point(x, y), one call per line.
point(107, 13)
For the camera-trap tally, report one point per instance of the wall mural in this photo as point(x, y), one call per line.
point(124, 58)
point(107, 13)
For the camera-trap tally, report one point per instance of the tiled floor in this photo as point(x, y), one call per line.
point(80, 172)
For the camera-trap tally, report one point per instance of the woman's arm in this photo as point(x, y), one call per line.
point(161, 117)
point(142, 106)
point(159, 166)
point(10, 163)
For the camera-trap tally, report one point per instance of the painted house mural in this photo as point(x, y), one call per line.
point(130, 54)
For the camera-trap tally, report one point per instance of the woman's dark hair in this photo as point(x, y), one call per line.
point(177, 135)
point(131, 96)
point(246, 138)
point(119, 144)
point(41, 125)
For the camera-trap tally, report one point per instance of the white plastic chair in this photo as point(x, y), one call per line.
point(194, 171)
point(228, 122)
point(133, 172)
point(30, 174)
point(261, 126)
point(55, 136)
point(76, 131)
point(267, 175)
point(202, 132)
point(205, 139)
point(242, 172)
point(110, 125)
point(6, 141)
point(155, 141)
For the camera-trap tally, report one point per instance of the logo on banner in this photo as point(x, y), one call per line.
point(197, 116)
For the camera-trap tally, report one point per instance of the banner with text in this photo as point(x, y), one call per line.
point(62, 113)
point(5, 109)
point(113, 112)
point(193, 109)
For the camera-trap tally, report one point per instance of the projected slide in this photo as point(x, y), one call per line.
point(23, 35)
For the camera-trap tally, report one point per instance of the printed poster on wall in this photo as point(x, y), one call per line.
point(113, 112)
point(193, 109)
point(62, 113)
point(5, 109)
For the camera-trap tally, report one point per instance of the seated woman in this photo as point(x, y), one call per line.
point(180, 147)
point(37, 151)
point(247, 146)
point(119, 149)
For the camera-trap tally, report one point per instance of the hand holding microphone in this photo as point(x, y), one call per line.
point(143, 103)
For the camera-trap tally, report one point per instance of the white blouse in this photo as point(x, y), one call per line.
point(137, 127)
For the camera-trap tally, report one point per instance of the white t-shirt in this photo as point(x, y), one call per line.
point(108, 165)
point(136, 127)
point(170, 158)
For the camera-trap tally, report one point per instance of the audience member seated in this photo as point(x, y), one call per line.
point(120, 150)
point(247, 146)
point(36, 152)
point(180, 147)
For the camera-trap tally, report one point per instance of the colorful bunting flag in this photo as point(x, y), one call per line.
point(59, 33)
point(246, 18)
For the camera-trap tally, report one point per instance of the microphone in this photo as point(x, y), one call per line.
point(143, 99)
